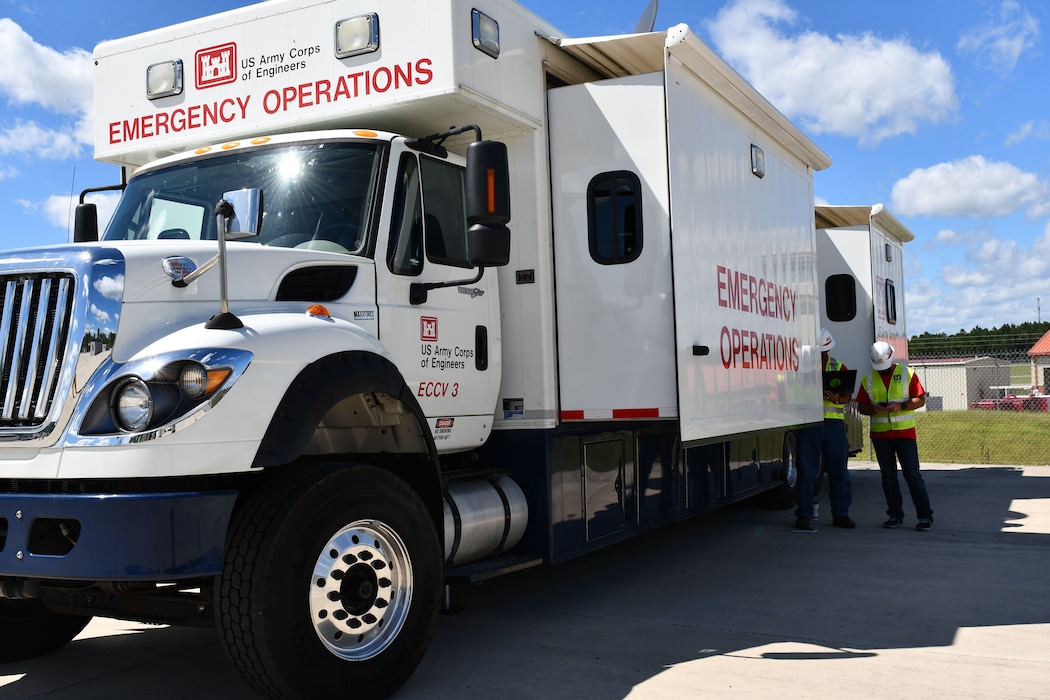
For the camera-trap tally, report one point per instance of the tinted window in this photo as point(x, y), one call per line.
point(891, 302)
point(614, 217)
point(840, 298)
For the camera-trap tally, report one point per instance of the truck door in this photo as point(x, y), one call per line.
point(447, 344)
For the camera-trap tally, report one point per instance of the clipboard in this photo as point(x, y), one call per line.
point(840, 381)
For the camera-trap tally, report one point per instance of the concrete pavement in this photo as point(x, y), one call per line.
point(732, 604)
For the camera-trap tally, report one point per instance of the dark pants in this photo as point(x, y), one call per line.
point(827, 440)
point(888, 451)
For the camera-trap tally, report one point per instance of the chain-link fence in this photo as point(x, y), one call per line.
point(983, 410)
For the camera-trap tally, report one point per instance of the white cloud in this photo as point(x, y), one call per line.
point(871, 100)
point(999, 43)
point(972, 187)
point(972, 292)
point(100, 315)
point(30, 137)
point(1029, 130)
point(947, 235)
point(59, 209)
point(59, 82)
point(110, 287)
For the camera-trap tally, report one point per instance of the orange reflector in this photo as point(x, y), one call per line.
point(365, 134)
point(231, 144)
point(202, 150)
point(215, 379)
point(491, 175)
point(260, 140)
point(318, 311)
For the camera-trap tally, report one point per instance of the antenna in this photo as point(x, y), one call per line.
point(648, 19)
point(69, 213)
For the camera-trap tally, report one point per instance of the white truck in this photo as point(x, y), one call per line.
point(860, 250)
point(312, 373)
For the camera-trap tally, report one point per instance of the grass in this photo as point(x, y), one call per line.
point(980, 437)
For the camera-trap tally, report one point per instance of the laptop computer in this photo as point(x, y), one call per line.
point(840, 381)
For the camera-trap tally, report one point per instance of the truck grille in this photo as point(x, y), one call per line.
point(36, 310)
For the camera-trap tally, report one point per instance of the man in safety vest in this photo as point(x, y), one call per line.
point(890, 395)
point(828, 441)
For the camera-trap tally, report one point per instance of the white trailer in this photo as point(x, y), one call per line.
point(313, 373)
point(860, 254)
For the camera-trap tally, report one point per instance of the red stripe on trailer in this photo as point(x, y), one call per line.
point(636, 413)
point(615, 414)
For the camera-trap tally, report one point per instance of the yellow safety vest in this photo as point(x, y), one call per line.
point(832, 410)
point(897, 391)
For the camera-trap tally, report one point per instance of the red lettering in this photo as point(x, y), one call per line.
point(386, 82)
point(435, 389)
point(322, 88)
point(720, 284)
point(271, 101)
point(211, 113)
point(403, 76)
point(423, 69)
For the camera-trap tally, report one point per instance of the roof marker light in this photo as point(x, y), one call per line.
point(164, 79)
point(485, 33)
point(357, 35)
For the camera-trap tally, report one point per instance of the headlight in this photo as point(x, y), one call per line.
point(157, 395)
point(193, 381)
point(133, 405)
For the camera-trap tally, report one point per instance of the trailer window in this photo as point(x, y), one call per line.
point(614, 218)
point(891, 302)
point(840, 298)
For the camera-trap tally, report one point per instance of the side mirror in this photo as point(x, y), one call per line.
point(247, 213)
point(488, 203)
point(85, 223)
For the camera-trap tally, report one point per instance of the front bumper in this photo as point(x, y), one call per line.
point(114, 537)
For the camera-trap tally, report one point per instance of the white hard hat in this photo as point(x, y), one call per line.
point(826, 340)
point(881, 355)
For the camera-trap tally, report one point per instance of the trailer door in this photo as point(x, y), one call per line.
point(744, 277)
point(615, 334)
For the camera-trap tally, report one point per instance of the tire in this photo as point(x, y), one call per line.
point(331, 584)
point(784, 495)
point(28, 629)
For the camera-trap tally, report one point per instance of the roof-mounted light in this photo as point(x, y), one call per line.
point(485, 32)
point(164, 79)
point(357, 35)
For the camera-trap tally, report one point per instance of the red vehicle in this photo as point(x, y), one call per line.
point(1010, 402)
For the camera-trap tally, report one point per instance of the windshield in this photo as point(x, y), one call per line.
point(315, 196)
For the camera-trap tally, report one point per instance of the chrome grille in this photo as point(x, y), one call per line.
point(34, 327)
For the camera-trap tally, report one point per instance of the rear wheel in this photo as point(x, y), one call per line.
point(331, 584)
point(784, 495)
point(29, 629)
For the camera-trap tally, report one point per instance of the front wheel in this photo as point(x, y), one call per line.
point(28, 629)
point(331, 584)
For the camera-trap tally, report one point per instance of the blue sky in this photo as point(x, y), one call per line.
point(938, 109)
